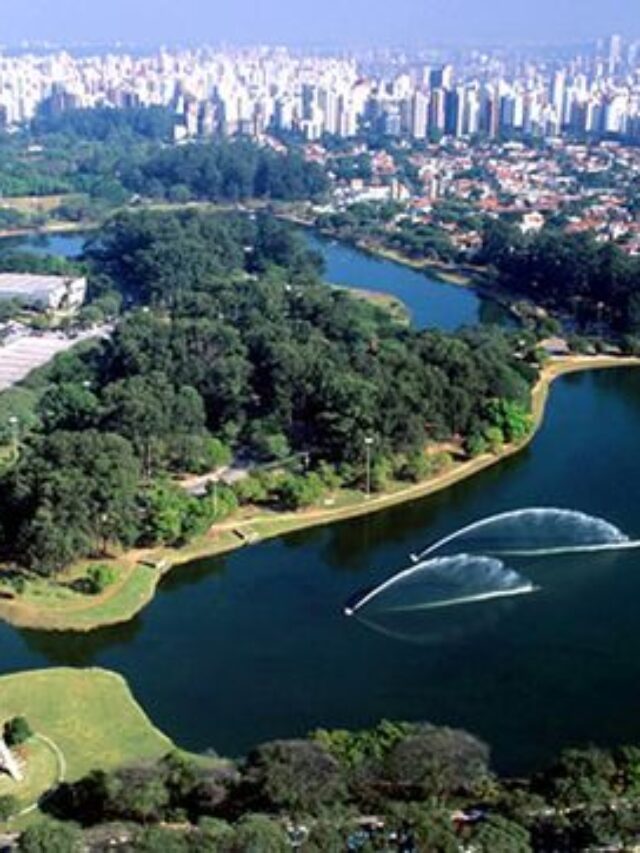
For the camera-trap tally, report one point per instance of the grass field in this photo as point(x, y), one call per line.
point(41, 769)
point(39, 204)
point(395, 307)
point(82, 720)
point(90, 715)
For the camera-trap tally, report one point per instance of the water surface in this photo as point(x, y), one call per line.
point(251, 646)
point(66, 245)
point(431, 303)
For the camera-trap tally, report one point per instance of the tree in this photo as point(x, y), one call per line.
point(257, 833)
point(69, 406)
point(580, 777)
point(627, 759)
point(297, 775)
point(216, 834)
point(140, 409)
point(157, 839)
point(499, 835)
point(73, 492)
point(328, 835)
point(423, 828)
point(17, 731)
point(9, 806)
point(137, 793)
point(434, 762)
point(49, 836)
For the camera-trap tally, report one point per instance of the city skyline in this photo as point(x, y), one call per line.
point(410, 23)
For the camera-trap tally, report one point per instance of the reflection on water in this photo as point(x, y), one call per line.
point(432, 628)
point(73, 649)
point(191, 574)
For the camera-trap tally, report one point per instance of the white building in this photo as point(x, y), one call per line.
point(43, 292)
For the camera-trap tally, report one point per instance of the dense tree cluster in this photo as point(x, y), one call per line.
point(404, 772)
point(225, 171)
point(399, 786)
point(571, 272)
point(232, 340)
point(98, 159)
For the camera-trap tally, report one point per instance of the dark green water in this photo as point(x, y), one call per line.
point(253, 646)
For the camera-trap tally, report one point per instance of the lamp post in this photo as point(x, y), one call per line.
point(367, 444)
point(13, 421)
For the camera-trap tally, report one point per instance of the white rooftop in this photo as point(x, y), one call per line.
point(28, 284)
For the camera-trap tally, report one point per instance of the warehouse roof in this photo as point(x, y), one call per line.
point(28, 284)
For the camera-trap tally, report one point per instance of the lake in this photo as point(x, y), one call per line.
point(431, 303)
point(67, 245)
point(239, 649)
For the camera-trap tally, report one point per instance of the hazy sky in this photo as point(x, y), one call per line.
point(319, 22)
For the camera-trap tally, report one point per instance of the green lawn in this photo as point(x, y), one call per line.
point(90, 715)
point(41, 772)
point(80, 611)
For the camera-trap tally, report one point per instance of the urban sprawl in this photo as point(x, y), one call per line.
point(252, 91)
point(535, 135)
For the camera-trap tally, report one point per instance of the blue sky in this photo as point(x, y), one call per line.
point(321, 22)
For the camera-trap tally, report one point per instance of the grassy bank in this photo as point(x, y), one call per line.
point(82, 718)
point(54, 606)
point(391, 304)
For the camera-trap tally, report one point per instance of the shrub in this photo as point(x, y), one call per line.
point(8, 806)
point(495, 438)
point(476, 445)
point(100, 577)
point(17, 731)
point(415, 468)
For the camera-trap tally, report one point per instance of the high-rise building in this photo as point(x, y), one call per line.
point(419, 115)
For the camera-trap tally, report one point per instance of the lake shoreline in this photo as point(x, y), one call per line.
point(461, 275)
point(142, 570)
point(455, 274)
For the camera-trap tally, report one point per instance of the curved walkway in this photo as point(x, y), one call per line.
point(60, 777)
